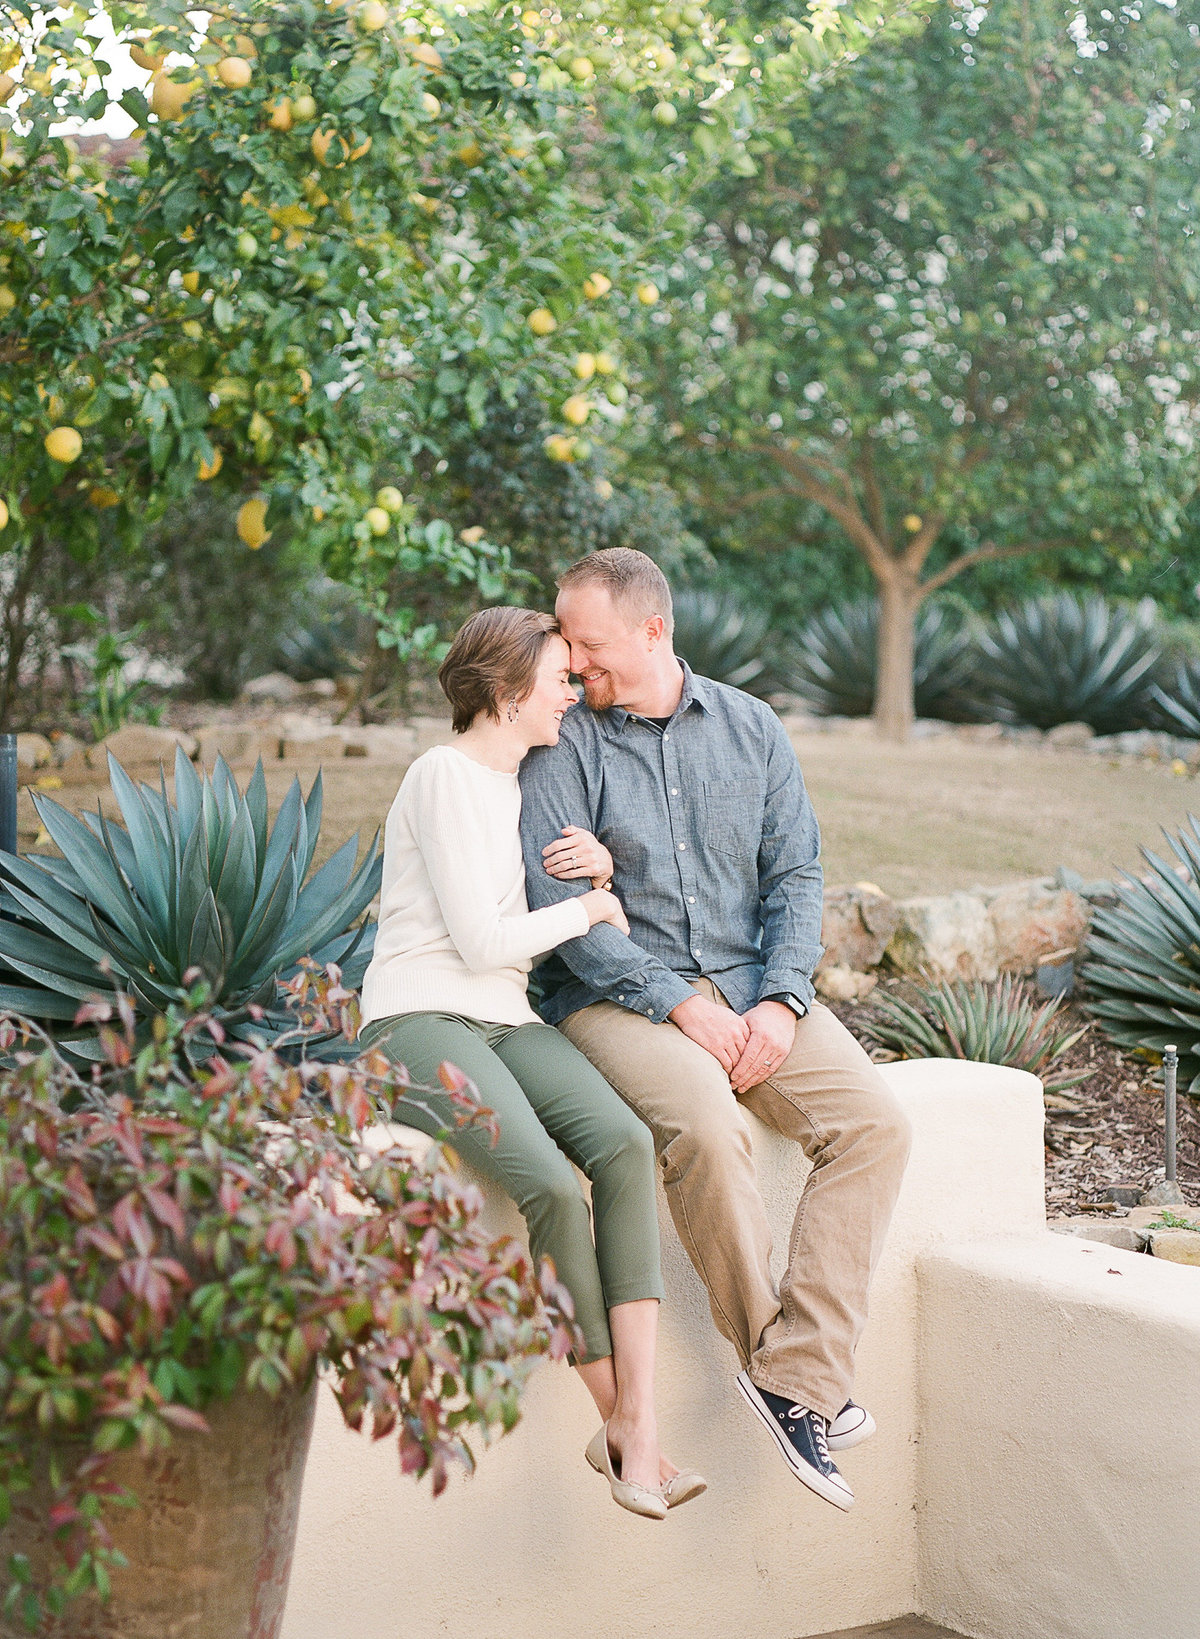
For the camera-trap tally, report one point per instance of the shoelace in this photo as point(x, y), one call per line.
point(818, 1428)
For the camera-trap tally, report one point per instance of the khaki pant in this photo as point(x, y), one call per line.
point(828, 1097)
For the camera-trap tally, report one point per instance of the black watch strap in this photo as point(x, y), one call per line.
point(799, 1008)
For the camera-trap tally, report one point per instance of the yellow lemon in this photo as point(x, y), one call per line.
point(581, 68)
point(364, 147)
point(576, 410)
point(7, 86)
point(427, 54)
point(665, 113)
point(8, 299)
point(3, 513)
point(304, 107)
point(647, 293)
point(542, 321)
point(318, 513)
point(603, 489)
point(379, 520)
point(252, 523)
point(245, 46)
point(559, 447)
point(471, 153)
point(389, 498)
point(151, 61)
point(518, 78)
point(64, 444)
point(191, 281)
point(605, 364)
point(55, 407)
point(168, 97)
point(596, 285)
point(585, 366)
point(430, 104)
point(210, 469)
point(912, 522)
point(372, 17)
point(279, 114)
point(473, 535)
point(235, 72)
point(103, 496)
point(193, 329)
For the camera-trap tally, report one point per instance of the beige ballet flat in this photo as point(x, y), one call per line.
point(681, 1488)
point(627, 1493)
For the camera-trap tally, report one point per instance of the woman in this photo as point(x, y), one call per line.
point(448, 981)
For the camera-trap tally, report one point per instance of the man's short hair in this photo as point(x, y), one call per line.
point(635, 582)
point(494, 660)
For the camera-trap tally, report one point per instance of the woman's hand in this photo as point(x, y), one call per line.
point(603, 906)
point(577, 854)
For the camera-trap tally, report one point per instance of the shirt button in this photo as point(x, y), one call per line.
point(691, 899)
point(666, 736)
point(674, 791)
point(620, 998)
point(682, 846)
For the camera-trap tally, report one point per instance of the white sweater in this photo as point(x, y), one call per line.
point(455, 932)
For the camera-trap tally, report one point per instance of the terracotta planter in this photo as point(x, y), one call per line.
point(210, 1544)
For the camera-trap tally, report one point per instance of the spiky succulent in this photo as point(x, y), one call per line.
point(833, 662)
point(995, 1022)
point(203, 882)
point(1068, 659)
point(721, 637)
point(1143, 972)
point(1179, 702)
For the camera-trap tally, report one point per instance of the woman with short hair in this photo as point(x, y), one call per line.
point(448, 983)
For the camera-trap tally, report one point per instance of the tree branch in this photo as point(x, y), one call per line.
point(987, 554)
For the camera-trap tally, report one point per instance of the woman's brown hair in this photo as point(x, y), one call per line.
point(493, 658)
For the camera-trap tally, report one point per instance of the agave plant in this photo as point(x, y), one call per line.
point(833, 663)
point(1067, 659)
point(721, 637)
point(991, 1022)
point(199, 883)
point(1143, 972)
point(1179, 704)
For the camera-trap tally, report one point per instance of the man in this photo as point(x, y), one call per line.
point(707, 1008)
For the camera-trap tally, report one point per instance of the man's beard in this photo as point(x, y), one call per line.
point(600, 695)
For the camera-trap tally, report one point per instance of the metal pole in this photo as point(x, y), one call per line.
point(8, 793)
point(1170, 1074)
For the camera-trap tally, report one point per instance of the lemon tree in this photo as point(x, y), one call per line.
point(318, 202)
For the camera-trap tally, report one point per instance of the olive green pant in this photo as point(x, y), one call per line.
point(552, 1108)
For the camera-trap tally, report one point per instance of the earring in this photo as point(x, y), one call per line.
point(514, 711)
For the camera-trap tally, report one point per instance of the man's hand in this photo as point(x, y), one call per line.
point(772, 1031)
point(719, 1030)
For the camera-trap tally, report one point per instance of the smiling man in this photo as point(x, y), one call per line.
point(706, 1009)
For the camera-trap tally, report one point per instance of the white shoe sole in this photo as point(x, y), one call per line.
point(836, 1492)
point(854, 1436)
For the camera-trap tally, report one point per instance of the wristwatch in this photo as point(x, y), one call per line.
point(799, 1008)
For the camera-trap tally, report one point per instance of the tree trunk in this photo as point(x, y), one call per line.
point(899, 600)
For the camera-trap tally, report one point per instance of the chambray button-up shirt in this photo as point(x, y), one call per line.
point(715, 853)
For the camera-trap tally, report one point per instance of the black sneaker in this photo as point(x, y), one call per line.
point(852, 1425)
point(800, 1435)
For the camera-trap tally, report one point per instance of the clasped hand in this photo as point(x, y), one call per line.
point(748, 1046)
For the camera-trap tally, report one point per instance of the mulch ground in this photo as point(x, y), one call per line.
point(1116, 1134)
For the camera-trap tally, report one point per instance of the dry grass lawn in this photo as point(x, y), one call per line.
point(924, 818)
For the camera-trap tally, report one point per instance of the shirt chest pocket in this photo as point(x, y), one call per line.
point(732, 819)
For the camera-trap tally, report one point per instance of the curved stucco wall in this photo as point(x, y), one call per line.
point(533, 1543)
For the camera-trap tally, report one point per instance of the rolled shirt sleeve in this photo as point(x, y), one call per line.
point(791, 881)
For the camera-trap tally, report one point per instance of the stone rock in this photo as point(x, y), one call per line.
point(321, 688)
point(1122, 1235)
point(856, 925)
point(384, 742)
point(34, 751)
point(1033, 920)
point(842, 984)
point(1165, 1193)
point(1176, 1245)
point(323, 744)
point(948, 936)
point(980, 733)
point(1072, 736)
point(1124, 1194)
point(235, 743)
point(273, 688)
point(1141, 1217)
point(70, 758)
point(141, 744)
